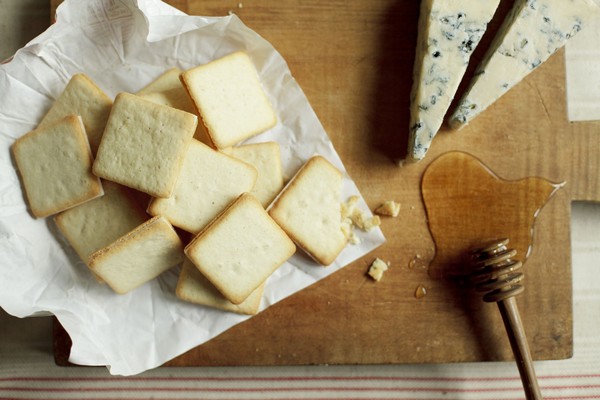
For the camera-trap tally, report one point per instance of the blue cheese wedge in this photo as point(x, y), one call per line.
point(531, 33)
point(449, 32)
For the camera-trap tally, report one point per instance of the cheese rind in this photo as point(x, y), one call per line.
point(530, 34)
point(449, 32)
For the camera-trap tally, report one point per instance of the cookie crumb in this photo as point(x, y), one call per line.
point(352, 217)
point(377, 268)
point(389, 208)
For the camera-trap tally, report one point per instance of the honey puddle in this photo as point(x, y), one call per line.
point(468, 204)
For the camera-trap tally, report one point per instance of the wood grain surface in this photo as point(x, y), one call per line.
point(353, 59)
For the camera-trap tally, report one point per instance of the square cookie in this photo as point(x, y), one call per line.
point(176, 98)
point(166, 81)
point(144, 145)
point(193, 287)
point(168, 90)
point(97, 223)
point(139, 256)
point(229, 99)
point(240, 248)
point(309, 210)
point(208, 182)
point(266, 158)
point(82, 97)
point(55, 166)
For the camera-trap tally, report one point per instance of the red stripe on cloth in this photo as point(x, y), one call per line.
point(307, 398)
point(290, 389)
point(297, 378)
point(589, 397)
point(300, 398)
point(581, 397)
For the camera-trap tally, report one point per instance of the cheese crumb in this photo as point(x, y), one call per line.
point(377, 268)
point(389, 207)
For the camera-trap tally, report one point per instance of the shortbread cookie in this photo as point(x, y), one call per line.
point(309, 211)
point(239, 249)
point(208, 182)
point(55, 165)
point(266, 158)
point(176, 98)
point(193, 287)
point(166, 81)
point(82, 97)
point(139, 256)
point(168, 90)
point(144, 145)
point(97, 223)
point(229, 99)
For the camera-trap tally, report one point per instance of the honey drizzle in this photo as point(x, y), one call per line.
point(420, 292)
point(467, 203)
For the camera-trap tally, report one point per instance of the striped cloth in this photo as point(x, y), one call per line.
point(27, 369)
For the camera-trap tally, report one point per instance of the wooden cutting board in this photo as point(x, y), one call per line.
point(353, 59)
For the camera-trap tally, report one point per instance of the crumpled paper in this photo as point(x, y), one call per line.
point(123, 45)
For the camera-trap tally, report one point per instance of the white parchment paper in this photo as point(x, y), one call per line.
point(123, 45)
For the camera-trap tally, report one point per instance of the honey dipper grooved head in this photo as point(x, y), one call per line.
point(494, 271)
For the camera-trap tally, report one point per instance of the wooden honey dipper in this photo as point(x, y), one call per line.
point(495, 272)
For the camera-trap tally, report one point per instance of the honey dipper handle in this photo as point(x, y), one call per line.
point(518, 342)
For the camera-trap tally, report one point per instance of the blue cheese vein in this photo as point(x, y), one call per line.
point(449, 32)
point(531, 33)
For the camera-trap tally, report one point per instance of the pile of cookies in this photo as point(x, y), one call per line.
point(158, 178)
